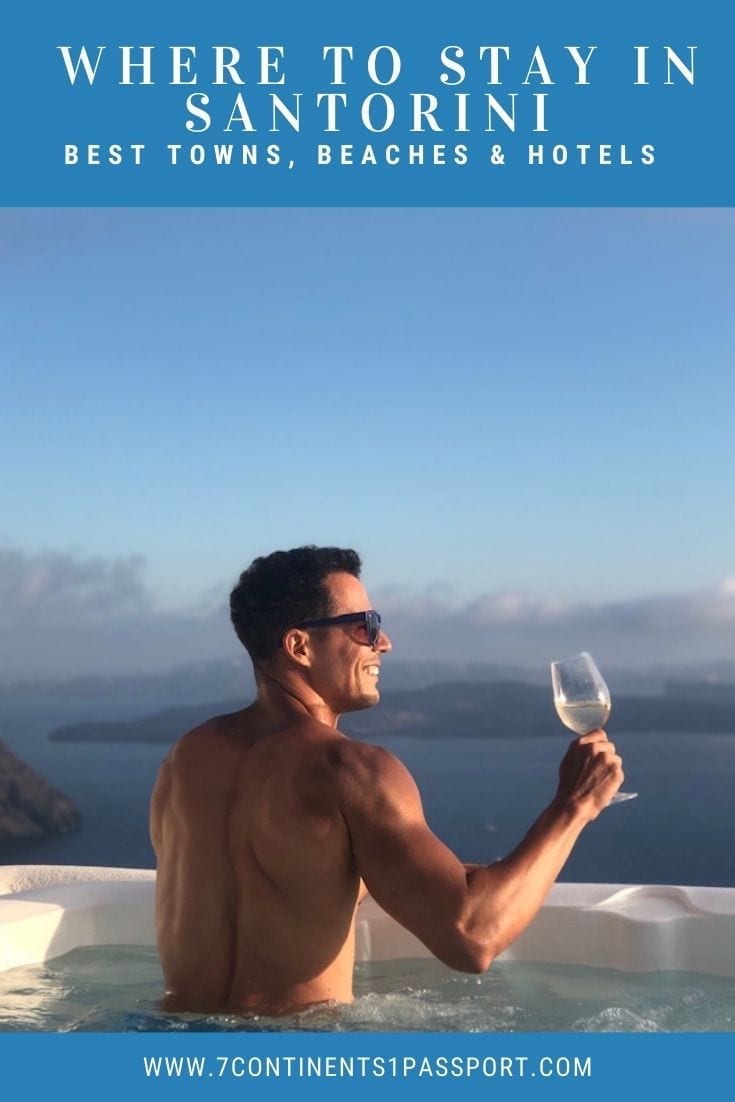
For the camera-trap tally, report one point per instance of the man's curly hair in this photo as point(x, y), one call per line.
point(280, 590)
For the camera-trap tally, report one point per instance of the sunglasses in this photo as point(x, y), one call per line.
point(369, 619)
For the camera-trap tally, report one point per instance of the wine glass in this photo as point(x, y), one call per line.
point(582, 700)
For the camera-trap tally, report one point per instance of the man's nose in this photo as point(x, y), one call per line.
point(383, 644)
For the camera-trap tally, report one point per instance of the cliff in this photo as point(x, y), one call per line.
point(29, 806)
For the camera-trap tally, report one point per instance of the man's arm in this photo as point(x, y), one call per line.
point(465, 917)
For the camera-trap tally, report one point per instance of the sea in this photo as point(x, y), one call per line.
point(480, 796)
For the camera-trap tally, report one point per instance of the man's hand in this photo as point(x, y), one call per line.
point(590, 773)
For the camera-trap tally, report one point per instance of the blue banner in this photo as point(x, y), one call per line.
point(379, 104)
point(388, 1065)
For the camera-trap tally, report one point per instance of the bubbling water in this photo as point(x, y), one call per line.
point(117, 988)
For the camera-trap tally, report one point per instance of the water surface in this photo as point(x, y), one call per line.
point(116, 988)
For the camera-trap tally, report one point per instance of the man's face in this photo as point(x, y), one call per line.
point(345, 668)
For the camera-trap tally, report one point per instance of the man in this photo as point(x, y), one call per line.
point(269, 824)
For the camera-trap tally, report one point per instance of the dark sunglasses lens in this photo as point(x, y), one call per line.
point(373, 628)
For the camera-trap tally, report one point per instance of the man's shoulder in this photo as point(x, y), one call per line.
point(363, 767)
point(205, 737)
point(346, 757)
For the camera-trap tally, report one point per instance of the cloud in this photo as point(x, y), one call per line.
point(518, 628)
point(63, 615)
point(498, 609)
point(54, 586)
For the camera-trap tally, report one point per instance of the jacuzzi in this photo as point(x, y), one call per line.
point(661, 961)
point(49, 910)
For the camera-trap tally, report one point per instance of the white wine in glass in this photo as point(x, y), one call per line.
point(582, 700)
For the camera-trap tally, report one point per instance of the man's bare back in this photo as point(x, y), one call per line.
point(257, 885)
point(265, 821)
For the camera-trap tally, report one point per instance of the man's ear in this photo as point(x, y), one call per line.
point(296, 646)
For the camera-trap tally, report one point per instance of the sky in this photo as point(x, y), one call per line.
point(522, 419)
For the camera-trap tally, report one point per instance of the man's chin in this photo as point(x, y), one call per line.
point(366, 700)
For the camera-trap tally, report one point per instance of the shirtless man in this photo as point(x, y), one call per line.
point(270, 824)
